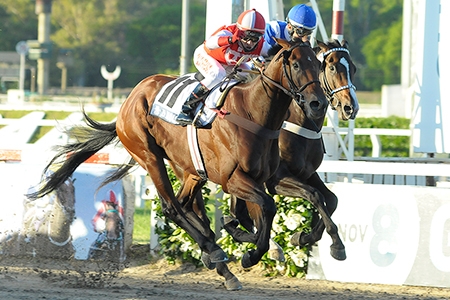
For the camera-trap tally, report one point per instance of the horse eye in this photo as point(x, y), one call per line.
point(332, 68)
point(296, 65)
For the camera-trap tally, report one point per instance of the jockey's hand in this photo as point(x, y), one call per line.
point(238, 34)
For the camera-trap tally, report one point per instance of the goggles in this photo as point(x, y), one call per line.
point(300, 31)
point(252, 36)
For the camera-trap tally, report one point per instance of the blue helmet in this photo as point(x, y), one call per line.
point(302, 16)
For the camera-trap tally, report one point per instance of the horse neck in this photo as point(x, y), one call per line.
point(265, 103)
point(60, 219)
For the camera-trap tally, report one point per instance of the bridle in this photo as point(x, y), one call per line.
point(294, 91)
point(329, 92)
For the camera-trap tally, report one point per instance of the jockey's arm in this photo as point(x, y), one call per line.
point(218, 40)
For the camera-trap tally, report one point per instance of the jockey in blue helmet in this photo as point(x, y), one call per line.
point(300, 23)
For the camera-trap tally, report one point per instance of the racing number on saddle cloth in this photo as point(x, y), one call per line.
point(184, 81)
point(169, 100)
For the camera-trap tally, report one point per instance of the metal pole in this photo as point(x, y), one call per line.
point(337, 28)
point(43, 10)
point(184, 37)
point(320, 25)
point(22, 72)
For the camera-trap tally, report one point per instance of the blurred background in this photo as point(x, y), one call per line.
point(144, 38)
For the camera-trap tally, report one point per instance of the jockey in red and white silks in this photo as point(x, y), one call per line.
point(223, 49)
point(111, 202)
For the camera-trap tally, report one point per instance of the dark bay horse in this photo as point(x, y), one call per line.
point(239, 150)
point(302, 151)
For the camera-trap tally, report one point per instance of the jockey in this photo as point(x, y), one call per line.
point(111, 202)
point(300, 23)
point(219, 53)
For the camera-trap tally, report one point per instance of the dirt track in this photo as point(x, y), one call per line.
point(141, 279)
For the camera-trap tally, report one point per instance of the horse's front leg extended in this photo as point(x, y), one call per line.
point(262, 211)
point(312, 191)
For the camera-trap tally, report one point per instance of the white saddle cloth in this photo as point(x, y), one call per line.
point(173, 95)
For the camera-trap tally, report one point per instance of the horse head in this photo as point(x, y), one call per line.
point(336, 77)
point(299, 77)
point(113, 223)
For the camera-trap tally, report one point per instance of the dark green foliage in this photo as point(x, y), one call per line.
point(143, 37)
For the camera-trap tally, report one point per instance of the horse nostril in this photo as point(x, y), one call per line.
point(348, 109)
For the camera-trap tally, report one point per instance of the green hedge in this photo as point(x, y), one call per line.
point(392, 146)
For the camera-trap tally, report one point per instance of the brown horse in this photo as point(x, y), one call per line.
point(302, 151)
point(239, 150)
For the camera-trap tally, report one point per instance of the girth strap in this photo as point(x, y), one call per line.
point(248, 125)
point(301, 131)
point(196, 156)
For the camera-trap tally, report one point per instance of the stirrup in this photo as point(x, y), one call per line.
point(184, 119)
point(196, 121)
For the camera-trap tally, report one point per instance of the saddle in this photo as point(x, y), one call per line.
point(173, 95)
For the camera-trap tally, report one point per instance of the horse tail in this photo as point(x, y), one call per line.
point(119, 173)
point(87, 141)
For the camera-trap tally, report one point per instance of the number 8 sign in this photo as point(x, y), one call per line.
point(379, 226)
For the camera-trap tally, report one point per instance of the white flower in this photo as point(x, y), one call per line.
point(293, 221)
point(300, 208)
point(276, 227)
point(185, 247)
point(280, 266)
point(238, 252)
point(298, 257)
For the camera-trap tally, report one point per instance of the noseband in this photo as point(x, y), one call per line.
point(295, 92)
point(329, 91)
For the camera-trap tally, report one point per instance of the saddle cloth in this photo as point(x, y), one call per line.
point(173, 95)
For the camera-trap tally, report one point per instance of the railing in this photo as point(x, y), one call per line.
point(15, 137)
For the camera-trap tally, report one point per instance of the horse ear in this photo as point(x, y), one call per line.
point(283, 43)
point(344, 44)
point(324, 47)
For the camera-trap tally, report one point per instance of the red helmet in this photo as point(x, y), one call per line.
point(111, 197)
point(251, 20)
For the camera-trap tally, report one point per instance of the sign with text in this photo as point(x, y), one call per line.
point(392, 234)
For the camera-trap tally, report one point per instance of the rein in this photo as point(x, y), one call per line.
point(295, 92)
point(329, 91)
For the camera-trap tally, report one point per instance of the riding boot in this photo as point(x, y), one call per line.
point(186, 115)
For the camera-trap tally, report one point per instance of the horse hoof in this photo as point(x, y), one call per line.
point(338, 254)
point(276, 254)
point(229, 221)
point(218, 256)
point(206, 260)
point(246, 261)
point(233, 284)
point(295, 239)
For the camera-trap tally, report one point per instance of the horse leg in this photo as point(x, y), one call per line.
point(152, 161)
point(231, 281)
point(240, 215)
point(262, 212)
point(313, 192)
point(196, 213)
point(194, 208)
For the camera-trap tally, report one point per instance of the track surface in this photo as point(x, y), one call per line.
point(141, 278)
